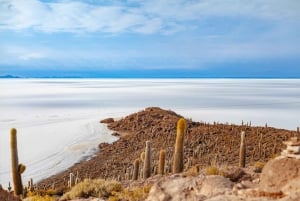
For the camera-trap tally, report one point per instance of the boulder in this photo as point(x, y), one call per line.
point(176, 188)
point(214, 185)
point(180, 188)
point(277, 173)
point(233, 173)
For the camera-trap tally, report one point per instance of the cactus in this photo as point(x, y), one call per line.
point(17, 169)
point(136, 166)
point(178, 153)
point(161, 166)
point(147, 161)
point(9, 187)
point(30, 185)
point(71, 181)
point(242, 161)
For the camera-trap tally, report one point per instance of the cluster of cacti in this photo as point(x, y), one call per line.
point(17, 169)
point(73, 180)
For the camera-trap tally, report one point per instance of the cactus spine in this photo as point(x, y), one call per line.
point(136, 167)
point(162, 157)
point(17, 168)
point(242, 161)
point(147, 161)
point(178, 153)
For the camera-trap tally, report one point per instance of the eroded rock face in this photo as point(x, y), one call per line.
point(179, 188)
point(278, 172)
point(215, 185)
point(176, 188)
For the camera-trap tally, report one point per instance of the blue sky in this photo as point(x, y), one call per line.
point(159, 38)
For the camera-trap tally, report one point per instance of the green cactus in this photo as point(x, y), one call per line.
point(242, 161)
point(178, 153)
point(147, 161)
point(161, 166)
point(136, 166)
point(17, 169)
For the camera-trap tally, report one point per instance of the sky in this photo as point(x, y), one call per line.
point(155, 38)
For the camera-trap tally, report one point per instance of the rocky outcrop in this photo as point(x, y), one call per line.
point(107, 121)
point(278, 173)
point(179, 188)
point(204, 143)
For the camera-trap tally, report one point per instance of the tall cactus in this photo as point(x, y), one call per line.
point(17, 168)
point(178, 153)
point(147, 161)
point(136, 167)
point(161, 166)
point(242, 161)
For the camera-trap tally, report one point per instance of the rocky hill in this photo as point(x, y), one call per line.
point(205, 144)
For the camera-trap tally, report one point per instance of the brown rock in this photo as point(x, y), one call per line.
point(107, 121)
point(278, 172)
point(215, 185)
point(233, 173)
point(176, 188)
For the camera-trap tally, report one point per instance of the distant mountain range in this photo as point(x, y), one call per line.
point(9, 76)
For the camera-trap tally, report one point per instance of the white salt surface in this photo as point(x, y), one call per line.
point(58, 119)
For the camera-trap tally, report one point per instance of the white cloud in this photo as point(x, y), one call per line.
point(146, 17)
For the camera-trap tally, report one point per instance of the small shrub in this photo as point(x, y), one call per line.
point(193, 171)
point(259, 166)
point(40, 198)
point(42, 193)
point(93, 188)
point(212, 170)
point(135, 194)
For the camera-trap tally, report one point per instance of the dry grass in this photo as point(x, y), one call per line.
point(40, 198)
point(99, 188)
point(135, 194)
point(259, 166)
point(192, 171)
point(212, 170)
